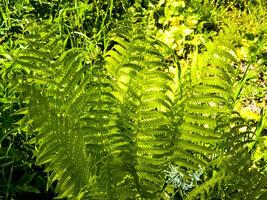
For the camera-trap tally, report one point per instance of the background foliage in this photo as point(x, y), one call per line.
point(145, 99)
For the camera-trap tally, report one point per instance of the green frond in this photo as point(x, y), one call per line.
point(145, 103)
point(108, 128)
point(198, 193)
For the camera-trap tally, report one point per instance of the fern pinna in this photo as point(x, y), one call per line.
point(109, 128)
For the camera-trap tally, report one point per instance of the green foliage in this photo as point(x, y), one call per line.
point(145, 108)
point(236, 174)
point(20, 177)
point(103, 133)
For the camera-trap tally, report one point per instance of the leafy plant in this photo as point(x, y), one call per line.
point(110, 129)
point(107, 110)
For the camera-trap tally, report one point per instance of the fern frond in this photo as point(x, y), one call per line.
point(145, 106)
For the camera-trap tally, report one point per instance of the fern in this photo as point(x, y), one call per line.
point(56, 86)
point(233, 167)
point(141, 89)
point(190, 136)
point(109, 128)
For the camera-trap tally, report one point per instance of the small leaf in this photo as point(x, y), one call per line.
point(22, 111)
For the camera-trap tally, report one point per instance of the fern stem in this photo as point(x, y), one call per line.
point(260, 127)
point(242, 82)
